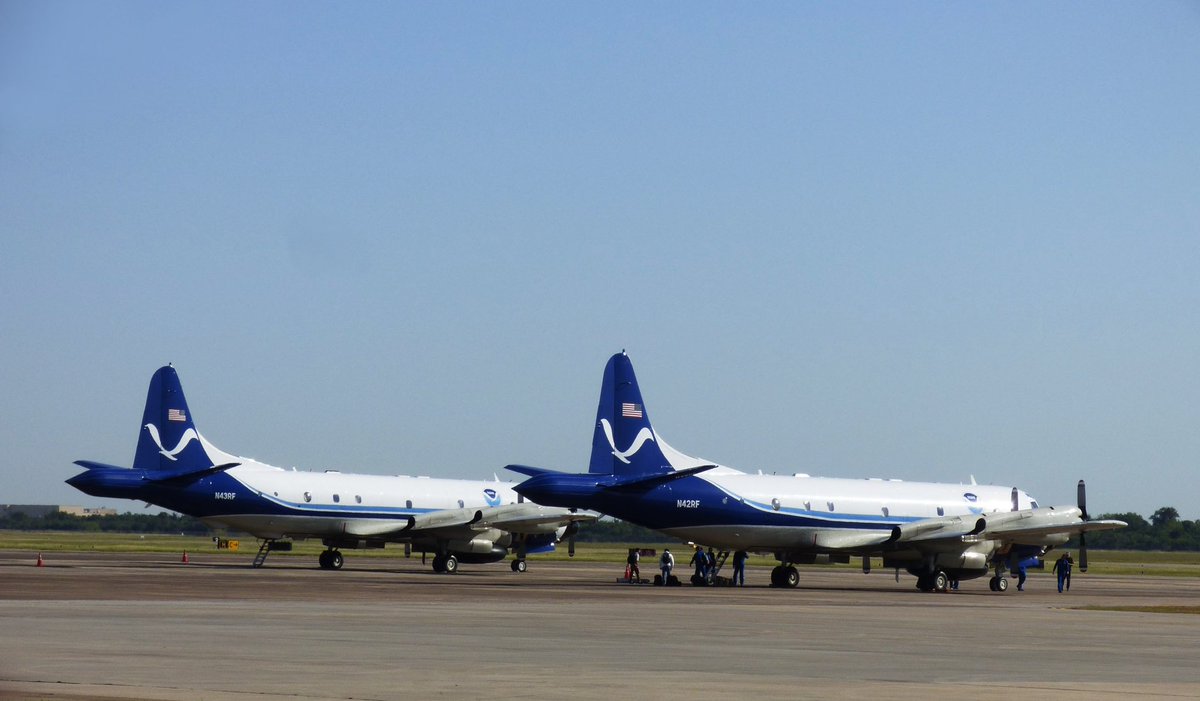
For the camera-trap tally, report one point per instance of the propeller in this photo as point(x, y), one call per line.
point(1081, 496)
point(569, 534)
point(1015, 500)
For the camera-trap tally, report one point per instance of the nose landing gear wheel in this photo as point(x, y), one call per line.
point(519, 566)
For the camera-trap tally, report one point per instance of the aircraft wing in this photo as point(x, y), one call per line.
point(531, 518)
point(454, 523)
point(935, 531)
point(441, 523)
point(1033, 526)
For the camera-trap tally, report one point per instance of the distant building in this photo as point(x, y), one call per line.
point(88, 510)
point(40, 510)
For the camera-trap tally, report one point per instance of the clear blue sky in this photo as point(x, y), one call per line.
point(912, 240)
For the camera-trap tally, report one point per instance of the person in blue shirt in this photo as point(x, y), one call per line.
point(1021, 577)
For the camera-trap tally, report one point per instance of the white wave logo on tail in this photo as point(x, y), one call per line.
point(642, 437)
point(187, 437)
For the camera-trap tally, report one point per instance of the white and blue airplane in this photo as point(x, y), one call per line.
point(941, 533)
point(456, 520)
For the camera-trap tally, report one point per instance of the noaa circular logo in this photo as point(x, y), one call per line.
point(491, 497)
point(970, 497)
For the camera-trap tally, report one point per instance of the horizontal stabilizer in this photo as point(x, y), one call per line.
point(189, 474)
point(641, 483)
point(90, 465)
point(176, 475)
point(533, 471)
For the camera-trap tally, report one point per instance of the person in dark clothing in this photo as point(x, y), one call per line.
point(739, 568)
point(1021, 577)
point(1062, 567)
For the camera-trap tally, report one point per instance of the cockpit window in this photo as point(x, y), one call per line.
point(1033, 503)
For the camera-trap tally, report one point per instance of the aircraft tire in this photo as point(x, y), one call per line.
point(336, 560)
point(323, 559)
point(941, 582)
point(450, 564)
point(1002, 584)
point(992, 584)
point(790, 577)
point(439, 564)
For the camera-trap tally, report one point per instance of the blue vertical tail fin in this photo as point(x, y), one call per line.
point(167, 438)
point(624, 443)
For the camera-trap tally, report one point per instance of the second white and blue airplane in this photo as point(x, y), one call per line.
point(456, 520)
point(941, 533)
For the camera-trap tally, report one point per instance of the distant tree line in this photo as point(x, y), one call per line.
point(119, 523)
point(1164, 531)
point(609, 530)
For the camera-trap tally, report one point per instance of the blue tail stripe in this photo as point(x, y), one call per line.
point(167, 438)
point(624, 442)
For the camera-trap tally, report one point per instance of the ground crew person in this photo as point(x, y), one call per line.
point(1021, 577)
point(739, 568)
point(666, 563)
point(1062, 567)
point(700, 560)
point(632, 561)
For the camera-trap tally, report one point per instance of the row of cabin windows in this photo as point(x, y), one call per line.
point(829, 505)
point(337, 499)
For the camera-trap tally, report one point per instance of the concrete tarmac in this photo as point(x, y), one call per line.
point(121, 626)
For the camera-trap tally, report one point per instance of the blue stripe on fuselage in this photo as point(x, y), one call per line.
point(223, 494)
point(693, 501)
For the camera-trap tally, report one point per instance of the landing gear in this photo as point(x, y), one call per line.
point(447, 564)
point(519, 565)
point(330, 560)
point(998, 583)
point(785, 576)
point(937, 581)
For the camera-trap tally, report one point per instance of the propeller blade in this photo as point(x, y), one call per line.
point(1081, 496)
point(1014, 499)
point(1083, 552)
point(571, 547)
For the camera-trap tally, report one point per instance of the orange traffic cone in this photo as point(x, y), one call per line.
point(185, 557)
point(41, 562)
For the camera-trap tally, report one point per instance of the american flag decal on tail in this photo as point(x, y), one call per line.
point(631, 411)
point(176, 415)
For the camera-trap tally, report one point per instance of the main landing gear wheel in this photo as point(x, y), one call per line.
point(786, 576)
point(941, 582)
point(998, 583)
point(450, 564)
point(330, 560)
point(439, 564)
point(519, 566)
